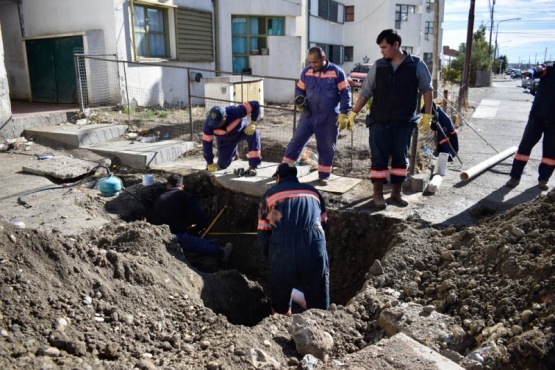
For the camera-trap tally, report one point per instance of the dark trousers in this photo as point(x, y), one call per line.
point(389, 141)
point(533, 132)
point(298, 259)
point(191, 243)
point(323, 126)
point(227, 148)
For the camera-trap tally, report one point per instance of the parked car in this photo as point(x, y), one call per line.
point(509, 70)
point(358, 74)
point(515, 73)
point(534, 86)
point(526, 82)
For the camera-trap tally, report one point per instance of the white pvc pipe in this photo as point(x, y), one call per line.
point(298, 297)
point(434, 184)
point(482, 166)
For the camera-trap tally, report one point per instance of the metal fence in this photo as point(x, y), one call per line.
point(173, 101)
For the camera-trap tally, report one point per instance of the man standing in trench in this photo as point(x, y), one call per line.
point(393, 81)
point(291, 221)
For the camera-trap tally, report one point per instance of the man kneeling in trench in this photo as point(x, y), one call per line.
point(180, 210)
point(291, 221)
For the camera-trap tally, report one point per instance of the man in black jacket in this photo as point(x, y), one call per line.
point(180, 210)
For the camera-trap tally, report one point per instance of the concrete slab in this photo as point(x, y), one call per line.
point(336, 184)
point(63, 168)
point(77, 136)
point(143, 155)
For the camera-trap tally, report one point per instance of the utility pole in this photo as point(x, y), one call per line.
point(491, 31)
point(463, 91)
point(435, 50)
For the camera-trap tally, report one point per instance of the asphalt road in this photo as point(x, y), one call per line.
point(497, 123)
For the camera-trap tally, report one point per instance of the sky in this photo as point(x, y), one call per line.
point(530, 39)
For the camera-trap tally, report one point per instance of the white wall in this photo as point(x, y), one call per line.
point(5, 105)
point(14, 53)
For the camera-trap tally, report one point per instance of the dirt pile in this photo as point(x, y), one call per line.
point(125, 296)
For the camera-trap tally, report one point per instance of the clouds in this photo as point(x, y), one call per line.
point(522, 39)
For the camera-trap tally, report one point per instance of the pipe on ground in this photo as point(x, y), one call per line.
point(481, 167)
point(435, 183)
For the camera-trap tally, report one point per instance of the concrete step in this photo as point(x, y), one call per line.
point(142, 155)
point(76, 136)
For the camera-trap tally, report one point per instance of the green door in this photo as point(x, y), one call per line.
point(52, 69)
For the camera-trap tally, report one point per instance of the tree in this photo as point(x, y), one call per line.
point(480, 56)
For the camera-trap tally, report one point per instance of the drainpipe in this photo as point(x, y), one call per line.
point(307, 25)
point(216, 36)
point(21, 21)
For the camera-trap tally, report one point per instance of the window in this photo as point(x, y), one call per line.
point(151, 31)
point(408, 49)
point(428, 30)
point(331, 10)
point(429, 4)
point(349, 53)
point(349, 14)
point(195, 37)
point(249, 36)
point(402, 14)
point(334, 53)
point(428, 58)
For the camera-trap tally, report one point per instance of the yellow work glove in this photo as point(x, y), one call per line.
point(212, 167)
point(351, 120)
point(249, 130)
point(342, 121)
point(425, 122)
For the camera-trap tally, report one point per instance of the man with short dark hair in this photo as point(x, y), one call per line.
point(180, 210)
point(325, 97)
point(291, 222)
point(228, 126)
point(393, 82)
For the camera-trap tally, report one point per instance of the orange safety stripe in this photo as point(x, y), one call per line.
point(208, 138)
point(322, 168)
point(399, 171)
point(301, 85)
point(453, 132)
point(324, 217)
point(253, 154)
point(287, 194)
point(288, 160)
point(232, 125)
point(379, 174)
point(548, 161)
point(264, 225)
point(328, 74)
point(248, 107)
point(443, 141)
point(521, 157)
point(342, 85)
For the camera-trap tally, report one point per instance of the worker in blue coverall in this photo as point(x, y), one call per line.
point(229, 125)
point(541, 121)
point(326, 100)
point(393, 81)
point(447, 134)
point(180, 210)
point(291, 222)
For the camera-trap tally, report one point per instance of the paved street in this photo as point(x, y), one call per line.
point(499, 118)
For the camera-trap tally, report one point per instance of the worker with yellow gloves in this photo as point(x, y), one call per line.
point(393, 83)
point(228, 126)
point(322, 93)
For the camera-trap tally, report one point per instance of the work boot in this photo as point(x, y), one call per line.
point(251, 171)
point(397, 195)
point(513, 182)
point(322, 182)
point(378, 198)
point(542, 184)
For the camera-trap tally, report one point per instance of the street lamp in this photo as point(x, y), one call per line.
point(497, 32)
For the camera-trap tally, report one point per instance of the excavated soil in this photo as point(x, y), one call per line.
point(124, 296)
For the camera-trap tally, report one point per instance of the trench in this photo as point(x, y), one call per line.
point(239, 289)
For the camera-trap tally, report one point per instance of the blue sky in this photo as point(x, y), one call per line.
point(521, 40)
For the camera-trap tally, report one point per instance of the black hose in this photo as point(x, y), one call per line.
point(21, 201)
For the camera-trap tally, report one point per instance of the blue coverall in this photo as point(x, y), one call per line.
point(179, 210)
point(327, 93)
point(450, 134)
point(229, 135)
point(290, 231)
point(541, 121)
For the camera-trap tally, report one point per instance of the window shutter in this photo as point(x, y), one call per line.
point(195, 35)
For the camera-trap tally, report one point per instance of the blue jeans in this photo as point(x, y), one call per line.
point(191, 243)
